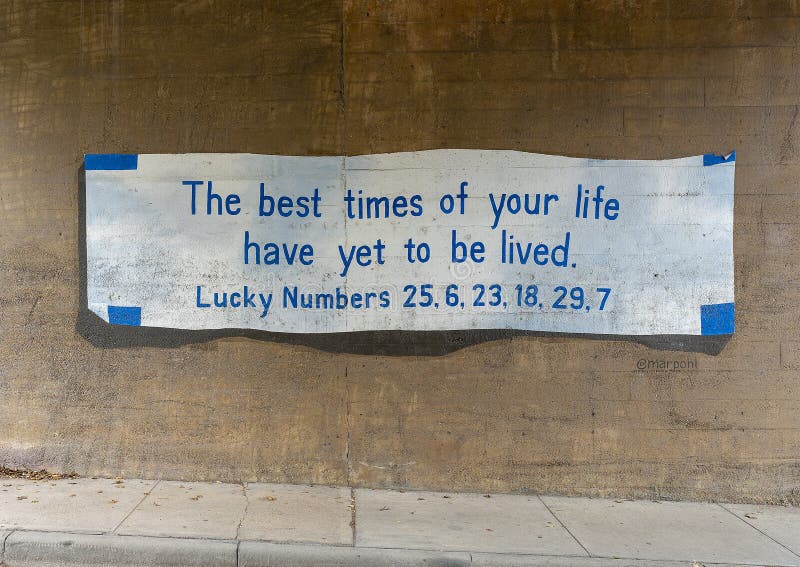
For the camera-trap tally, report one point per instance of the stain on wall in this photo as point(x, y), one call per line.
point(457, 411)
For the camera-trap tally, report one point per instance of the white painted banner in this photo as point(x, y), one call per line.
point(431, 240)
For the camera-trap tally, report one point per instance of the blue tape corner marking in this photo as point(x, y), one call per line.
point(95, 162)
point(714, 159)
point(717, 319)
point(125, 315)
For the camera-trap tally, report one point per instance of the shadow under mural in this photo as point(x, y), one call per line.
point(385, 343)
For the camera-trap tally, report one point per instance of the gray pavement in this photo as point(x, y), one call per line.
point(146, 522)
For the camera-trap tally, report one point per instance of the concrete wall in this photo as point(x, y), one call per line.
point(461, 411)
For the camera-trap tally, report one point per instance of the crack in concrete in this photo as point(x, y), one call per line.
point(353, 513)
point(564, 526)
point(128, 515)
point(738, 517)
point(3, 549)
point(244, 512)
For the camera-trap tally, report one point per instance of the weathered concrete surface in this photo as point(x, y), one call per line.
point(88, 505)
point(312, 526)
point(666, 531)
point(500, 523)
point(780, 523)
point(524, 412)
point(280, 513)
point(174, 509)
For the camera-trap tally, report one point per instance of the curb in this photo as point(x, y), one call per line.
point(264, 554)
point(56, 549)
point(60, 549)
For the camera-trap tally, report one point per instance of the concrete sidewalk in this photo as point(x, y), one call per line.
point(149, 522)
